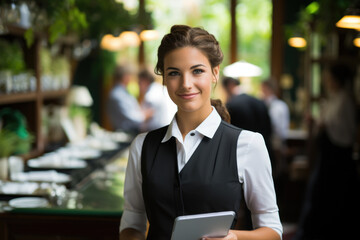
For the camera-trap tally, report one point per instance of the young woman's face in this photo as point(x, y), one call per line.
point(189, 77)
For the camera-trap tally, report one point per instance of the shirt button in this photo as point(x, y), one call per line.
point(192, 134)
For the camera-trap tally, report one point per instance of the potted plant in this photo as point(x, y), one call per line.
point(11, 62)
point(14, 138)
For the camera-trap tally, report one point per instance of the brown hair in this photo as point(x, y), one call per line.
point(145, 74)
point(184, 36)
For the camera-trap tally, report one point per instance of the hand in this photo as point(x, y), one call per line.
point(230, 236)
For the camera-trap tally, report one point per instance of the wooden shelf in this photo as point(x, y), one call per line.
point(54, 94)
point(17, 98)
point(14, 30)
point(31, 104)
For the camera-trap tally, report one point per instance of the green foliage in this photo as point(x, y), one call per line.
point(29, 37)
point(11, 57)
point(84, 112)
point(58, 18)
point(11, 143)
point(253, 24)
point(319, 16)
point(14, 138)
point(103, 17)
point(53, 65)
point(254, 33)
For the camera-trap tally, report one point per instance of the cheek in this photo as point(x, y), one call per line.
point(205, 84)
point(171, 87)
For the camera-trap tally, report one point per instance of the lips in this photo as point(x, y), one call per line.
point(188, 96)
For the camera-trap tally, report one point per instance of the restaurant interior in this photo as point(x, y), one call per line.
point(62, 160)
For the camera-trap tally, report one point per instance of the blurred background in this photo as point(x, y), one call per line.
point(57, 63)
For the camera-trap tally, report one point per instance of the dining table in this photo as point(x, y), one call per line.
point(87, 206)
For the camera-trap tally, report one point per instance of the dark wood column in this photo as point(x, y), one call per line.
point(277, 40)
point(233, 33)
point(141, 56)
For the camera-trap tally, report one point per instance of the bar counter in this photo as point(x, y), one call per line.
point(90, 208)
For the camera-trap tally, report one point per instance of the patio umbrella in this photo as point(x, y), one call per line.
point(242, 69)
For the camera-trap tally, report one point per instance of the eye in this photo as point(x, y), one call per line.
point(198, 71)
point(173, 73)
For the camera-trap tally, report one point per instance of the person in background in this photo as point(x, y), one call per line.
point(123, 109)
point(231, 87)
point(247, 112)
point(153, 95)
point(331, 207)
point(280, 119)
point(198, 163)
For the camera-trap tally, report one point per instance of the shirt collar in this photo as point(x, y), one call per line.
point(207, 128)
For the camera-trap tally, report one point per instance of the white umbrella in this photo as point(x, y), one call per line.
point(242, 69)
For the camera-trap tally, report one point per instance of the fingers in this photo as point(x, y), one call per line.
point(230, 236)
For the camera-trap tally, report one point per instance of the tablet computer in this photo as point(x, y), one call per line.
point(194, 227)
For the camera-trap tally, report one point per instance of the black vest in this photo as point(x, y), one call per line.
point(208, 182)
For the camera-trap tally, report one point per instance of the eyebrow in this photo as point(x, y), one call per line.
point(172, 68)
point(198, 65)
point(192, 67)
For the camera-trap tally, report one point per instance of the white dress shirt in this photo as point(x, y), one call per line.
point(254, 170)
point(280, 117)
point(124, 111)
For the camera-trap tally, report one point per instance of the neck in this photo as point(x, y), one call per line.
point(188, 121)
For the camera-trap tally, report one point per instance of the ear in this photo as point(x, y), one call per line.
point(216, 73)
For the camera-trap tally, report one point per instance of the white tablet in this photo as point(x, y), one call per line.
point(194, 227)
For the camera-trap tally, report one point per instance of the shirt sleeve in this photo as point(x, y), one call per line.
point(134, 215)
point(126, 108)
point(255, 174)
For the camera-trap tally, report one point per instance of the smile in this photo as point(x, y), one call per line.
point(188, 96)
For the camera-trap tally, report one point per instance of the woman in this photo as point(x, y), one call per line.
point(198, 163)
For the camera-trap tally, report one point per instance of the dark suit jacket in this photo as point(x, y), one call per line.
point(250, 113)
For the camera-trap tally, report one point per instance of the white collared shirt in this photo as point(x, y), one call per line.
point(254, 170)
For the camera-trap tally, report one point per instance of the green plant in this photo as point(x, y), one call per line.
point(11, 143)
point(11, 57)
point(61, 18)
point(84, 112)
point(318, 16)
point(14, 138)
point(108, 16)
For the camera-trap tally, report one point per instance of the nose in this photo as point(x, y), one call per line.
point(186, 81)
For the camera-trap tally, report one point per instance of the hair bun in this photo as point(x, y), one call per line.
point(179, 28)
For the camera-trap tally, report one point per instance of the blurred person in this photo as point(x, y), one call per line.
point(231, 87)
point(280, 118)
point(331, 205)
point(247, 112)
point(278, 111)
point(123, 109)
point(199, 163)
point(153, 95)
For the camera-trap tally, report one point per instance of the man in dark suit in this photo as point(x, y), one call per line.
point(246, 111)
point(249, 113)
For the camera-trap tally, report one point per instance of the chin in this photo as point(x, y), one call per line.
point(188, 107)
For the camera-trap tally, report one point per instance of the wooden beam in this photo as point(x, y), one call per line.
point(233, 32)
point(277, 40)
point(141, 56)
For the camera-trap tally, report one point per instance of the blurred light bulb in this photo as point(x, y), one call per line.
point(148, 35)
point(111, 43)
point(297, 42)
point(349, 21)
point(357, 41)
point(130, 39)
